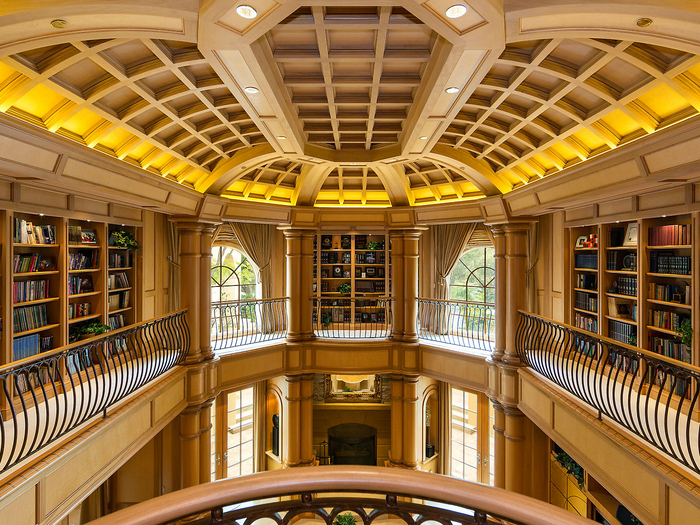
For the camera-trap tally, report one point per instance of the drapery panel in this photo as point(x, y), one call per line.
point(448, 243)
point(256, 241)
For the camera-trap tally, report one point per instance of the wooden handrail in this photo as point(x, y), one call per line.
point(91, 341)
point(363, 297)
point(242, 301)
point(456, 301)
point(333, 478)
point(613, 342)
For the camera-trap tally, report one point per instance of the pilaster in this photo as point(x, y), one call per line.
point(299, 252)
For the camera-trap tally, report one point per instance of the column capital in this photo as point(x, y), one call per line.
point(193, 223)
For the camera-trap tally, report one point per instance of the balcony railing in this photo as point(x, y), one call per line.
point(239, 323)
point(411, 497)
point(459, 323)
point(352, 317)
point(652, 396)
point(46, 396)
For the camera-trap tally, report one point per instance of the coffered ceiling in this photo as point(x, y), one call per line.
point(347, 105)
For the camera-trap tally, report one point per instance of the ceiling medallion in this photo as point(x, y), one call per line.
point(246, 11)
point(644, 22)
point(59, 24)
point(456, 11)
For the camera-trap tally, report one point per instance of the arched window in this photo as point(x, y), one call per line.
point(232, 275)
point(474, 276)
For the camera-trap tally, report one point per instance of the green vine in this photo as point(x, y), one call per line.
point(92, 329)
point(345, 288)
point(571, 467)
point(123, 239)
point(344, 519)
point(686, 332)
point(373, 245)
point(326, 319)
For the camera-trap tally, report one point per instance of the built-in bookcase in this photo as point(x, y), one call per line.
point(638, 285)
point(351, 265)
point(54, 278)
point(121, 279)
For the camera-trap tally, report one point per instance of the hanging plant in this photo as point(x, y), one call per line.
point(572, 468)
point(123, 239)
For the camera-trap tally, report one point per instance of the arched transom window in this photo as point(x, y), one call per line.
point(473, 278)
point(232, 275)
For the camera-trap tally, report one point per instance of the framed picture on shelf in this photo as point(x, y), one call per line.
point(324, 273)
point(371, 258)
point(346, 274)
point(371, 271)
point(326, 242)
point(380, 272)
point(88, 236)
point(580, 240)
point(314, 287)
point(86, 284)
point(631, 235)
point(358, 273)
point(345, 242)
point(337, 271)
point(46, 264)
point(347, 258)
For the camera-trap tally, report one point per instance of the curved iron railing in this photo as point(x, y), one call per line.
point(413, 497)
point(239, 323)
point(459, 323)
point(352, 317)
point(48, 395)
point(651, 395)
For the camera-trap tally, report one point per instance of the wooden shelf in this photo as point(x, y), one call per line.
point(622, 320)
point(86, 270)
point(663, 330)
point(594, 270)
point(36, 330)
point(119, 289)
point(670, 304)
point(621, 272)
point(606, 505)
point(585, 290)
point(585, 249)
point(83, 318)
point(37, 301)
point(671, 247)
point(27, 245)
point(117, 248)
point(32, 274)
point(120, 310)
point(86, 294)
point(670, 275)
point(115, 269)
point(632, 248)
point(621, 296)
point(85, 246)
point(581, 310)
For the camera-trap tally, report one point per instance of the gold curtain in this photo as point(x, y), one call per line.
point(256, 241)
point(174, 260)
point(448, 243)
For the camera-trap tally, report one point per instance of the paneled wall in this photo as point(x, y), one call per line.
point(155, 265)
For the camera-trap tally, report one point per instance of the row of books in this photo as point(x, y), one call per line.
point(27, 346)
point(23, 291)
point(119, 300)
point(119, 260)
point(586, 322)
point(26, 233)
point(621, 331)
point(117, 280)
point(32, 262)
point(116, 321)
point(586, 260)
point(670, 348)
point(370, 286)
point(29, 318)
point(668, 292)
point(670, 235)
point(76, 310)
point(666, 320)
point(82, 261)
point(627, 285)
point(80, 284)
point(667, 262)
point(586, 301)
point(616, 260)
point(586, 281)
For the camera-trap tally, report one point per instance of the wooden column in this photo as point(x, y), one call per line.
point(516, 268)
point(396, 448)
point(306, 420)
point(189, 447)
point(397, 285)
point(205, 442)
point(190, 283)
point(410, 257)
point(499, 453)
point(501, 291)
point(299, 283)
point(412, 439)
point(205, 292)
point(291, 451)
point(514, 448)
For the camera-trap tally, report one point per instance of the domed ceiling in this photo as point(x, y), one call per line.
point(350, 105)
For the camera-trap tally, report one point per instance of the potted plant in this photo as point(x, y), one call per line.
point(344, 519)
point(88, 330)
point(123, 239)
point(326, 319)
point(571, 467)
point(429, 447)
point(345, 288)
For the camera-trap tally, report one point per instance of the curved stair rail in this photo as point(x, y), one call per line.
point(373, 492)
point(47, 395)
point(653, 396)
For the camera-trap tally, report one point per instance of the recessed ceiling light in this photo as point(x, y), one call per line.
point(246, 11)
point(281, 137)
point(353, 163)
point(41, 215)
point(252, 90)
point(311, 158)
point(59, 23)
point(456, 11)
point(452, 90)
point(423, 138)
point(644, 22)
point(393, 160)
point(123, 224)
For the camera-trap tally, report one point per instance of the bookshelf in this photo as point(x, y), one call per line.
point(642, 287)
point(120, 281)
point(54, 279)
point(351, 265)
